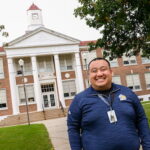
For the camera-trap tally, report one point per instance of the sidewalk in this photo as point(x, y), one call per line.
point(57, 129)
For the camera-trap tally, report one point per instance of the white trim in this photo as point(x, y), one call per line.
point(13, 87)
point(59, 79)
point(21, 85)
point(78, 71)
point(73, 79)
point(25, 36)
point(37, 89)
point(145, 97)
point(24, 52)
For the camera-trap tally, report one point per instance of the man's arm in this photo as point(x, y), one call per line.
point(142, 124)
point(74, 126)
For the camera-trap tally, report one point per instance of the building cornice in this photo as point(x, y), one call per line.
point(39, 46)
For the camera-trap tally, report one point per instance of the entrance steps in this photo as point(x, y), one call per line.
point(33, 116)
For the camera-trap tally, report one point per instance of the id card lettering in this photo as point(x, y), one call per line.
point(112, 116)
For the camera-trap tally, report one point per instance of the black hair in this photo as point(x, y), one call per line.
point(98, 58)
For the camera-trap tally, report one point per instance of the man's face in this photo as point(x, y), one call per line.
point(100, 75)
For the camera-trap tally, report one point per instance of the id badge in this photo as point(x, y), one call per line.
point(112, 116)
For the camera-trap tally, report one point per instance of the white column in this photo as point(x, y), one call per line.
point(37, 89)
point(13, 87)
point(59, 80)
point(79, 76)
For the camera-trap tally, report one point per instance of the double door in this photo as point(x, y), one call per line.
point(49, 100)
point(48, 95)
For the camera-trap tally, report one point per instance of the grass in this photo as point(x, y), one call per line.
point(25, 137)
point(146, 106)
point(35, 136)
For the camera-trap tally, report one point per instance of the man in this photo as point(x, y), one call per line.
point(106, 116)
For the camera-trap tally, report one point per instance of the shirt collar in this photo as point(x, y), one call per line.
point(92, 91)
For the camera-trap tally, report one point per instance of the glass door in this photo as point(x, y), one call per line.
point(49, 100)
point(48, 95)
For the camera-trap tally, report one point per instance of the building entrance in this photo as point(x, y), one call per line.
point(48, 95)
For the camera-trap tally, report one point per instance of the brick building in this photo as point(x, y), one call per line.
point(55, 69)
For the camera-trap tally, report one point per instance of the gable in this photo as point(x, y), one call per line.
point(43, 37)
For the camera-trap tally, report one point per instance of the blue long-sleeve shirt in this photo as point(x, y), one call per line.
point(90, 129)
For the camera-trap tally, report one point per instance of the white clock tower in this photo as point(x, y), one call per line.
point(34, 15)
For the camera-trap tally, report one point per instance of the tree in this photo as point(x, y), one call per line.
point(124, 25)
point(2, 30)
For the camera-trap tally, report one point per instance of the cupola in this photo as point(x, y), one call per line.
point(34, 15)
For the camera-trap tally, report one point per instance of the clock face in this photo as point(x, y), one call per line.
point(35, 16)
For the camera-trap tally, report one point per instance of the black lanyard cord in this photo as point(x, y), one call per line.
point(108, 102)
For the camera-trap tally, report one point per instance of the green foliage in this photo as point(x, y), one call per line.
point(2, 30)
point(25, 137)
point(124, 24)
point(146, 106)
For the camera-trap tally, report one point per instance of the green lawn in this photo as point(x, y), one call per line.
point(25, 137)
point(146, 106)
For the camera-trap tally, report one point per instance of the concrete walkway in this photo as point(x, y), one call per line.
point(57, 129)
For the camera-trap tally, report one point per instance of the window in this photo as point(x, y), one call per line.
point(129, 60)
point(47, 88)
point(147, 79)
point(29, 94)
point(113, 63)
point(141, 99)
point(3, 99)
point(133, 82)
point(1, 69)
point(87, 57)
point(116, 79)
point(27, 67)
point(66, 62)
point(145, 60)
point(69, 88)
point(45, 64)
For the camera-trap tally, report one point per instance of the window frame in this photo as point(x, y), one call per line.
point(115, 76)
point(85, 58)
point(44, 63)
point(2, 76)
point(63, 60)
point(147, 80)
point(70, 96)
point(27, 64)
point(28, 98)
point(129, 60)
point(133, 82)
point(4, 108)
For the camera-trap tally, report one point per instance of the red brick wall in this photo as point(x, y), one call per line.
point(29, 79)
point(72, 75)
point(122, 70)
point(4, 83)
point(31, 107)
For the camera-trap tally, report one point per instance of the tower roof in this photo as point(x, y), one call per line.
point(34, 7)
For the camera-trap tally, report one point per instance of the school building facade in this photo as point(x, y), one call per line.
point(55, 69)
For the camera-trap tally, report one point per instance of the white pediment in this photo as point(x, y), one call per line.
point(42, 37)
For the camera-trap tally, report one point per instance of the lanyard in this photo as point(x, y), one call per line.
point(107, 102)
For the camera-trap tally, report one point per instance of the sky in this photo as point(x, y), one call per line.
point(57, 16)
